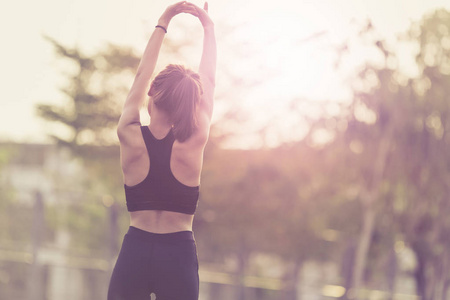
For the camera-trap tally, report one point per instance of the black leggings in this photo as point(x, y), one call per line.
point(163, 264)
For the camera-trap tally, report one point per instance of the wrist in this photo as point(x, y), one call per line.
point(163, 22)
point(162, 28)
point(208, 28)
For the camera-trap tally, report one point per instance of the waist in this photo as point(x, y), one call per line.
point(160, 237)
point(158, 221)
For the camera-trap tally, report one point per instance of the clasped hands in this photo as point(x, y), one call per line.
point(189, 8)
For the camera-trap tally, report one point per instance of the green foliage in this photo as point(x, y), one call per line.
point(396, 144)
point(90, 110)
point(95, 93)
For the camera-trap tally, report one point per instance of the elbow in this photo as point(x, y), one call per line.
point(123, 132)
point(210, 81)
point(123, 128)
point(120, 132)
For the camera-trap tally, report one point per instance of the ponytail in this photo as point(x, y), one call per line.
point(177, 90)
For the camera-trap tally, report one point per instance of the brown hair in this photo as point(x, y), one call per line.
point(176, 90)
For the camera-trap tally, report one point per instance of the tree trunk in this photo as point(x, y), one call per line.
point(419, 275)
point(391, 273)
point(35, 282)
point(445, 291)
point(369, 198)
point(348, 262)
point(362, 251)
point(242, 257)
point(292, 278)
point(443, 278)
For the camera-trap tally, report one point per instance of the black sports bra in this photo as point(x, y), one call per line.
point(160, 190)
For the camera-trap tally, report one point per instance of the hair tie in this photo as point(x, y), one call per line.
point(162, 27)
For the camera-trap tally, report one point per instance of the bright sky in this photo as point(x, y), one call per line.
point(271, 33)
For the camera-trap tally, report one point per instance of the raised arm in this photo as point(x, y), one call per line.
point(207, 67)
point(141, 84)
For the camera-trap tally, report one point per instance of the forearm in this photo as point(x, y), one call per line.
point(141, 84)
point(207, 68)
point(150, 57)
point(138, 92)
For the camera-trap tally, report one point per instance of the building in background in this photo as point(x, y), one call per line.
point(41, 184)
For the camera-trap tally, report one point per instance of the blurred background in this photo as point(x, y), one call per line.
point(327, 174)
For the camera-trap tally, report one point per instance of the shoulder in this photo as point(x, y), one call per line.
point(129, 134)
point(132, 144)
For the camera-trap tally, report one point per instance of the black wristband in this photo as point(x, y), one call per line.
point(162, 27)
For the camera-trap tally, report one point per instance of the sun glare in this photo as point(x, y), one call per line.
point(288, 66)
point(288, 53)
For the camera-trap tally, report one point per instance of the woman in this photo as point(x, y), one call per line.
point(161, 166)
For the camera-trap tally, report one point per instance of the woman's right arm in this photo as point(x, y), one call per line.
point(129, 121)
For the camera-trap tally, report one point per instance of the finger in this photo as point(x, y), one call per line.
point(184, 8)
point(180, 4)
point(193, 5)
point(187, 8)
point(195, 9)
point(190, 11)
point(205, 6)
point(194, 13)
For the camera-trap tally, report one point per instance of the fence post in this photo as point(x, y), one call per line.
point(113, 233)
point(35, 283)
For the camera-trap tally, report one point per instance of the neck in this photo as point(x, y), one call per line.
point(159, 124)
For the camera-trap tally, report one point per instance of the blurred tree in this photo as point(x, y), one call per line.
point(397, 142)
point(271, 201)
point(426, 143)
point(84, 123)
point(92, 106)
point(358, 158)
point(377, 139)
